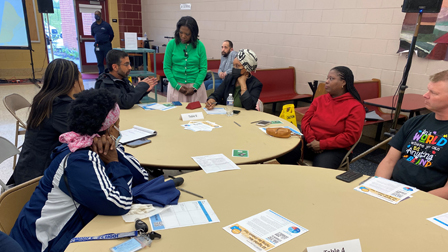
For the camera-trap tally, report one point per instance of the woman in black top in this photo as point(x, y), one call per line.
point(47, 119)
point(244, 87)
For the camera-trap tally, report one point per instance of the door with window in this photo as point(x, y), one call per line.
point(85, 13)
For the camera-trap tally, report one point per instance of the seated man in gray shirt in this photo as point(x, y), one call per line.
point(228, 55)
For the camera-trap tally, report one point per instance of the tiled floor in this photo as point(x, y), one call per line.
point(7, 121)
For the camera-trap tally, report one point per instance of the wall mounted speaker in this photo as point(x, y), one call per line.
point(427, 6)
point(45, 6)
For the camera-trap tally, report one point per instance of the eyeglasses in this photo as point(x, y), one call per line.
point(185, 53)
point(126, 64)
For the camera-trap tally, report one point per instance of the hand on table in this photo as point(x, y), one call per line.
point(210, 104)
point(190, 91)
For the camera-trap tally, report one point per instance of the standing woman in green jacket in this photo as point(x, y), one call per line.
point(185, 63)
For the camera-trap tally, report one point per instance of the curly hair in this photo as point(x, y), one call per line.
point(191, 24)
point(88, 112)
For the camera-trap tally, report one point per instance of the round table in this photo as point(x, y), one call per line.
point(174, 146)
point(311, 197)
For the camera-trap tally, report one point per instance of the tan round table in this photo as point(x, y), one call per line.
point(311, 197)
point(174, 146)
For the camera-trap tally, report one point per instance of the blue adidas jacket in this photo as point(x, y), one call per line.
point(49, 220)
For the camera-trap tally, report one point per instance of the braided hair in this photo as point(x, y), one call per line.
point(346, 74)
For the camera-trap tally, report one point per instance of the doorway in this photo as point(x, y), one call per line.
point(68, 35)
point(85, 16)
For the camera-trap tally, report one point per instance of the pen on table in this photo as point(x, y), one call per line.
point(237, 123)
point(183, 190)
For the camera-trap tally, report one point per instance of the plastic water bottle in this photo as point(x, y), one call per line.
point(229, 105)
point(145, 36)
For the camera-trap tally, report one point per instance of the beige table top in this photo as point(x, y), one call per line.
point(311, 197)
point(174, 146)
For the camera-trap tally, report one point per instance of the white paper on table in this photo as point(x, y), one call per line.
point(215, 163)
point(136, 132)
point(440, 220)
point(132, 217)
point(215, 111)
point(197, 126)
point(348, 246)
point(387, 190)
point(130, 41)
point(184, 214)
point(265, 231)
point(287, 127)
point(156, 106)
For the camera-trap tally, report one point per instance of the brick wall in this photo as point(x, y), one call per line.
point(129, 18)
point(68, 24)
point(311, 35)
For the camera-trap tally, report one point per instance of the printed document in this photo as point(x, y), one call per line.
point(215, 163)
point(265, 231)
point(440, 220)
point(135, 133)
point(157, 106)
point(184, 214)
point(215, 111)
point(385, 189)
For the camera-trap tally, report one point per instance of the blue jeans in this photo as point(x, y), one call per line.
point(209, 84)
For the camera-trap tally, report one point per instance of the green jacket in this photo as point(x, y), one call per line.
point(180, 68)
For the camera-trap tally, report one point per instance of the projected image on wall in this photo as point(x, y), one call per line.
point(13, 32)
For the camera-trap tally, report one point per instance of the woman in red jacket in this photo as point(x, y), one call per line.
point(332, 124)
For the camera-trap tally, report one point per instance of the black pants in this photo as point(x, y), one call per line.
point(327, 159)
point(101, 55)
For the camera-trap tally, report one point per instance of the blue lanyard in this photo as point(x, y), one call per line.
point(110, 236)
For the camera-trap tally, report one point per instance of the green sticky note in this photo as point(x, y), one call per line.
point(240, 153)
point(276, 122)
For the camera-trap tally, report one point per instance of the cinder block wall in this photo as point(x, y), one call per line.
point(311, 35)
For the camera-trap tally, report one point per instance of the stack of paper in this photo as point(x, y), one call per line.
point(387, 190)
point(157, 106)
point(135, 133)
point(215, 163)
point(200, 126)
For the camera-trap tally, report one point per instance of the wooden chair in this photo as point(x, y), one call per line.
point(13, 103)
point(211, 90)
point(300, 111)
point(12, 201)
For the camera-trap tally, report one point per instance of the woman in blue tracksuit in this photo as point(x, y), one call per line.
point(80, 183)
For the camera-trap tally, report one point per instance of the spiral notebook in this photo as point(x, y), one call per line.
point(135, 133)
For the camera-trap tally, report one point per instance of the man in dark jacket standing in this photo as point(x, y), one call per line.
point(115, 79)
point(103, 34)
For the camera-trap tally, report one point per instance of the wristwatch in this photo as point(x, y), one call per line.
point(195, 90)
